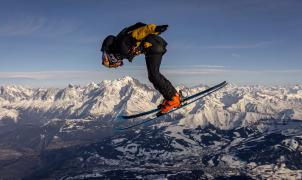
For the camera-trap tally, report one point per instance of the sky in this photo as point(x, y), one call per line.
point(56, 43)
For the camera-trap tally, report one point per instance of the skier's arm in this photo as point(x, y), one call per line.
point(140, 33)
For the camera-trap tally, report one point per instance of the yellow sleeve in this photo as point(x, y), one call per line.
point(142, 32)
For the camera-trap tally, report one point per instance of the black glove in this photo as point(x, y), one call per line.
point(130, 58)
point(161, 28)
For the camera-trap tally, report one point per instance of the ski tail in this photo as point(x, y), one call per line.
point(140, 114)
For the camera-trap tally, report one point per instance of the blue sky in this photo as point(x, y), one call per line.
point(53, 43)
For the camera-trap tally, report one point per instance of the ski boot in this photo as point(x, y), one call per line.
point(168, 105)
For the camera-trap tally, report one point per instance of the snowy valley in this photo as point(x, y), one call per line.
point(252, 132)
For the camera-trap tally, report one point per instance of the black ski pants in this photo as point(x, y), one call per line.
point(153, 56)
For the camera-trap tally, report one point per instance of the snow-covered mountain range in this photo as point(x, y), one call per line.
point(251, 132)
point(228, 108)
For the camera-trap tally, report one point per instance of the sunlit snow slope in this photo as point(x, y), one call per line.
point(231, 107)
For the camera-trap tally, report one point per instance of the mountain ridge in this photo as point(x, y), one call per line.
point(231, 107)
point(250, 132)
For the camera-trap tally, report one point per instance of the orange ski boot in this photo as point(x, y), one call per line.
point(167, 105)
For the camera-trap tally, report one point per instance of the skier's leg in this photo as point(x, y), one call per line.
point(153, 60)
point(159, 82)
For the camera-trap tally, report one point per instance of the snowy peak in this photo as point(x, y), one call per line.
point(230, 107)
point(72, 128)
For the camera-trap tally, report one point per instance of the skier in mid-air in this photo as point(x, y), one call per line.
point(139, 39)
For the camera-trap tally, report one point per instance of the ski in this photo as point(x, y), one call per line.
point(183, 100)
point(186, 103)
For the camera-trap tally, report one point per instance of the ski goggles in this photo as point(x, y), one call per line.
point(110, 61)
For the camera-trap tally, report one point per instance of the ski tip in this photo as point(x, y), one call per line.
point(125, 117)
point(118, 129)
point(223, 83)
point(119, 117)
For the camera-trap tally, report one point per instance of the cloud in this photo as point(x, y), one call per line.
point(193, 69)
point(36, 26)
point(178, 67)
point(188, 75)
point(242, 46)
point(138, 70)
point(46, 75)
point(235, 55)
point(24, 26)
point(59, 27)
point(182, 70)
point(194, 66)
point(252, 45)
point(90, 39)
